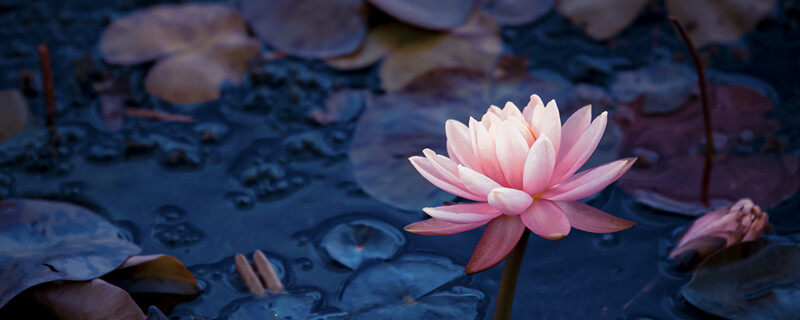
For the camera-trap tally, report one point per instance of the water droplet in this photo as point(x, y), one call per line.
point(177, 235)
point(240, 200)
point(304, 263)
point(169, 213)
point(606, 240)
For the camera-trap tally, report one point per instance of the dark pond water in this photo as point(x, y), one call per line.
point(274, 180)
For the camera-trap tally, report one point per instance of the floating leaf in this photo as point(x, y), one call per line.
point(750, 280)
point(201, 46)
point(14, 114)
point(669, 172)
point(436, 15)
point(45, 241)
point(282, 306)
point(308, 28)
point(719, 21)
point(87, 300)
point(475, 45)
point(353, 242)
point(601, 19)
point(517, 12)
point(380, 41)
point(665, 86)
point(410, 287)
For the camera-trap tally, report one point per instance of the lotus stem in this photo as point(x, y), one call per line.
point(49, 92)
point(508, 281)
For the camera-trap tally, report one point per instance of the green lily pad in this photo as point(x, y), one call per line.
point(43, 241)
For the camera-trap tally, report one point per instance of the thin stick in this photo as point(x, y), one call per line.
point(508, 281)
point(49, 91)
point(267, 273)
point(701, 79)
point(248, 276)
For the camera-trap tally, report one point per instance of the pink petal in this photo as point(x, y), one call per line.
point(436, 227)
point(587, 218)
point(573, 128)
point(509, 201)
point(490, 119)
point(463, 213)
point(539, 164)
point(483, 144)
point(511, 149)
point(430, 173)
point(547, 122)
point(500, 236)
point(511, 111)
point(494, 109)
point(524, 129)
point(581, 151)
point(459, 144)
point(546, 219)
point(589, 182)
point(476, 183)
point(534, 103)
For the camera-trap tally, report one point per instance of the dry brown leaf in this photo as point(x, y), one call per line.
point(474, 45)
point(157, 273)
point(380, 41)
point(601, 19)
point(436, 15)
point(14, 113)
point(716, 21)
point(308, 28)
point(87, 300)
point(202, 47)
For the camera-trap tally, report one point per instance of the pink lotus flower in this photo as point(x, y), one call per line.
point(520, 169)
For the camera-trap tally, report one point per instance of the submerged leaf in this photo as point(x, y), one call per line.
point(14, 114)
point(201, 46)
point(354, 242)
point(437, 15)
point(308, 28)
point(750, 280)
point(45, 241)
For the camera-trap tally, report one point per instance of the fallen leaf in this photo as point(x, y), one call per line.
point(474, 45)
point(158, 273)
point(14, 113)
point(719, 21)
point(308, 28)
point(671, 146)
point(436, 15)
point(380, 41)
point(45, 241)
point(750, 280)
point(199, 47)
point(87, 300)
point(517, 12)
point(601, 19)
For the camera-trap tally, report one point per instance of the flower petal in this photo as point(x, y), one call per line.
point(547, 122)
point(476, 183)
point(581, 151)
point(463, 213)
point(459, 144)
point(483, 144)
point(509, 201)
point(587, 218)
point(534, 103)
point(573, 128)
point(430, 173)
point(500, 236)
point(490, 119)
point(546, 219)
point(589, 182)
point(511, 149)
point(436, 227)
point(539, 164)
point(523, 129)
point(511, 111)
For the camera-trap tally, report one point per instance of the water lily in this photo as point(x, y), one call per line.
point(740, 222)
point(520, 169)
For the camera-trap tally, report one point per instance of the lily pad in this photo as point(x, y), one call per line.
point(750, 280)
point(474, 45)
point(200, 47)
point(284, 306)
point(410, 287)
point(14, 114)
point(719, 21)
point(44, 241)
point(354, 242)
point(308, 28)
point(517, 12)
point(669, 172)
point(601, 19)
point(437, 15)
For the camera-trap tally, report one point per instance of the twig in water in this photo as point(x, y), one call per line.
point(49, 92)
point(265, 270)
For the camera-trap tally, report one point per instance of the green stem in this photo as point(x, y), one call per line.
point(508, 281)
